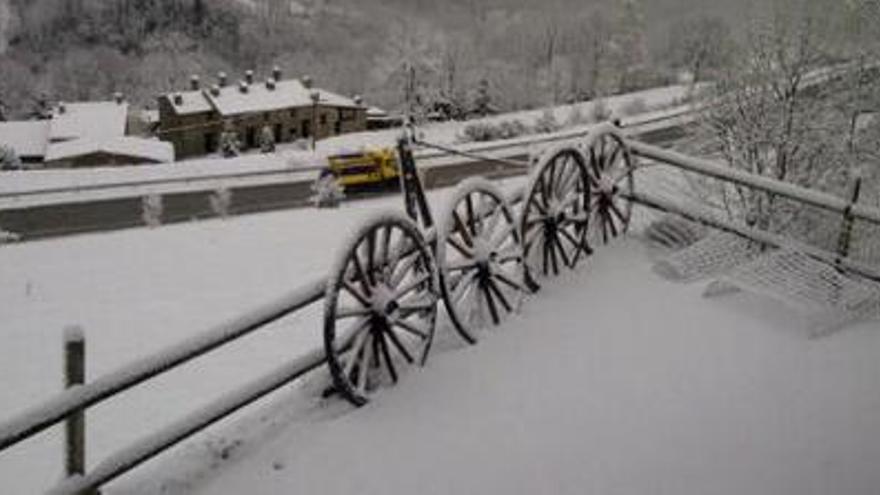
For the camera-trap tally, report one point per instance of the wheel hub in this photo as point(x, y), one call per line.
point(383, 303)
point(606, 184)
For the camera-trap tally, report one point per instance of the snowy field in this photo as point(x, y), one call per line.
point(612, 381)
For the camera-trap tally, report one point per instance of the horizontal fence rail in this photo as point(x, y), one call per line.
point(708, 168)
point(763, 237)
point(49, 413)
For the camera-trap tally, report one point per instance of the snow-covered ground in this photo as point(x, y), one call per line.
point(612, 381)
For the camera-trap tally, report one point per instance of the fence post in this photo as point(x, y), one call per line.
point(844, 241)
point(75, 425)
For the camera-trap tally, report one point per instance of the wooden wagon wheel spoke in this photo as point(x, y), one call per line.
point(613, 209)
point(356, 348)
point(464, 251)
point(389, 364)
point(385, 255)
point(462, 286)
point(565, 259)
point(493, 287)
point(408, 309)
point(410, 327)
point(364, 365)
point(343, 313)
point(395, 340)
point(404, 268)
point(462, 229)
point(471, 217)
point(351, 289)
point(360, 274)
point(414, 284)
point(504, 279)
point(493, 310)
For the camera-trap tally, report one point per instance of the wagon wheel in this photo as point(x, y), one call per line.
point(555, 215)
point(380, 307)
point(480, 258)
point(611, 175)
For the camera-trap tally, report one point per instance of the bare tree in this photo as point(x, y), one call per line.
point(771, 115)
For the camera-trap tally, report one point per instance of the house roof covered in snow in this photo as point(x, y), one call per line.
point(188, 102)
point(263, 97)
point(98, 120)
point(27, 138)
point(259, 96)
point(146, 149)
point(376, 113)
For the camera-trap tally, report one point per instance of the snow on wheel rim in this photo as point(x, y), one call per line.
point(380, 306)
point(479, 254)
point(555, 216)
point(610, 170)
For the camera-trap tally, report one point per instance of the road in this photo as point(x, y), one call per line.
point(41, 221)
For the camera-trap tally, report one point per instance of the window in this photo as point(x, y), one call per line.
point(210, 142)
point(346, 114)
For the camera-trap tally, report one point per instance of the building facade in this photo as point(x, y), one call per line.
point(292, 109)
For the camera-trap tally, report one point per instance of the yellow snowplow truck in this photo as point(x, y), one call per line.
point(370, 167)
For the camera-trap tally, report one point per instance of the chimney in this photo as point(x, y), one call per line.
point(62, 108)
point(249, 76)
point(194, 82)
point(307, 82)
point(276, 73)
point(358, 100)
point(215, 90)
point(178, 99)
point(243, 86)
point(118, 97)
point(270, 84)
point(222, 80)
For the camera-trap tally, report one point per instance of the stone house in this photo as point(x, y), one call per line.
point(193, 120)
point(82, 134)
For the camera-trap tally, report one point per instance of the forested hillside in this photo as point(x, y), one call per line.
point(530, 53)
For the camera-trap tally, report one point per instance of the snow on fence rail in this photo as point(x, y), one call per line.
point(78, 398)
point(788, 190)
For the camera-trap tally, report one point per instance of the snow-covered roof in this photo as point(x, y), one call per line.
point(376, 113)
point(98, 120)
point(27, 138)
point(231, 100)
point(149, 149)
point(190, 102)
point(290, 93)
